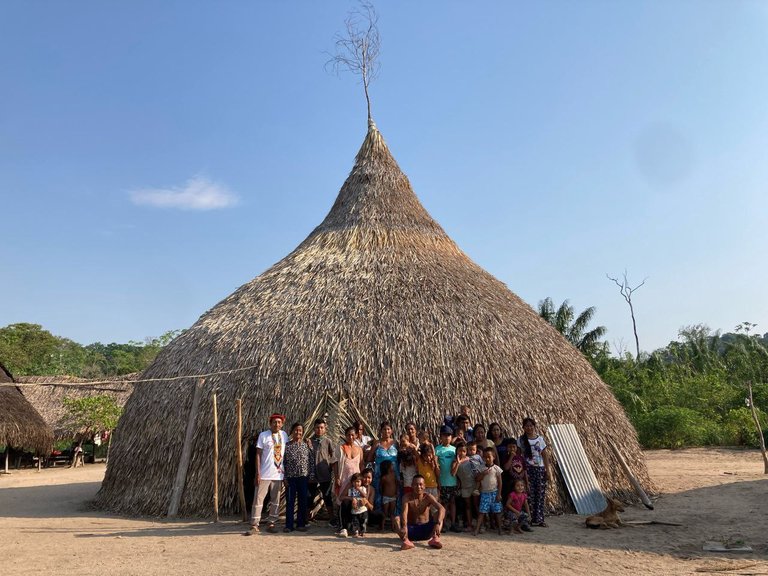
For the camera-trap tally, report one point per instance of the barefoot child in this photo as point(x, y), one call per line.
point(389, 488)
point(490, 491)
point(446, 459)
point(466, 482)
point(517, 508)
point(426, 464)
point(415, 523)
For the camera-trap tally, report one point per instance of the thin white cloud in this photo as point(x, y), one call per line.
point(199, 193)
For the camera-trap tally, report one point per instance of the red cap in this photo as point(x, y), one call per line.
point(277, 416)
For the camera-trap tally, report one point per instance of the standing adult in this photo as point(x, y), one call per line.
point(299, 466)
point(539, 468)
point(270, 451)
point(363, 440)
point(325, 462)
point(409, 448)
point(496, 435)
point(484, 442)
point(463, 429)
point(383, 449)
point(350, 462)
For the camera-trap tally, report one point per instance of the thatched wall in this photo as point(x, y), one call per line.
point(378, 302)
point(47, 393)
point(20, 424)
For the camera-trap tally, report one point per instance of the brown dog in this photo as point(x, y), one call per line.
point(608, 518)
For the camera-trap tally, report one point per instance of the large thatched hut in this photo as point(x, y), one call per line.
point(47, 394)
point(377, 304)
point(21, 426)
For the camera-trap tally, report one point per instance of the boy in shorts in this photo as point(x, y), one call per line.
point(490, 491)
point(446, 459)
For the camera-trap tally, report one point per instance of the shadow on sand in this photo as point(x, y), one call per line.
point(730, 513)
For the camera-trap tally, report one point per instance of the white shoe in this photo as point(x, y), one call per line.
point(342, 533)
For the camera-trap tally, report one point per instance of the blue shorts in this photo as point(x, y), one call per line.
point(488, 503)
point(418, 532)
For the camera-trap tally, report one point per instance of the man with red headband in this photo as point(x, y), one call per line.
point(270, 449)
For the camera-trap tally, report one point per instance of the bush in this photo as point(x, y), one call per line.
point(739, 428)
point(675, 427)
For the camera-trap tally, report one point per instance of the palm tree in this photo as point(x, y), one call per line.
point(573, 327)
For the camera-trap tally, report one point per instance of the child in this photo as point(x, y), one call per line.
point(446, 459)
point(517, 508)
point(424, 437)
point(466, 478)
point(426, 464)
point(516, 467)
point(357, 496)
point(478, 464)
point(389, 488)
point(490, 491)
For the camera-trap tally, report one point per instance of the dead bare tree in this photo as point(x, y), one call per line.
point(357, 48)
point(626, 291)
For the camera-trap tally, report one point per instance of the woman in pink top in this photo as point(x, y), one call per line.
point(350, 462)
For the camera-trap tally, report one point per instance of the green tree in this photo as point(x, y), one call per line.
point(92, 414)
point(574, 328)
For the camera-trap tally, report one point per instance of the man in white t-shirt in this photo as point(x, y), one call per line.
point(270, 451)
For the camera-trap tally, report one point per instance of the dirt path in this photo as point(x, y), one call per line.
point(722, 495)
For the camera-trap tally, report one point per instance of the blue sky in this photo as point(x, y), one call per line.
point(156, 156)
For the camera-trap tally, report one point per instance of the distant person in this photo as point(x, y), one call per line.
point(77, 456)
point(270, 452)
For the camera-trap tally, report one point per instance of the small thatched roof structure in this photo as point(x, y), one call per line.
point(378, 303)
point(21, 426)
point(47, 393)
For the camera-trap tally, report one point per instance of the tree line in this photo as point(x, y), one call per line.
point(30, 350)
point(692, 392)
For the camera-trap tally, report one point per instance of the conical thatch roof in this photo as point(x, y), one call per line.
point(20, 424)
point(378, 303)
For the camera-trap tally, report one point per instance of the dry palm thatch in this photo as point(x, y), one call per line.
point(47, 393)
point(20, 424)
point(338, 415)
point(378, 303)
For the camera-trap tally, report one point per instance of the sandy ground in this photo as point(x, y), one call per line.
point(46, 527)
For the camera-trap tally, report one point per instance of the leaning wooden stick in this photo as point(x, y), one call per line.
point(635, 483)
point(186, 453)
point(215, 461)
point(240, 487)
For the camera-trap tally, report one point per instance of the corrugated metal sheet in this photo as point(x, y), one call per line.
point(576, 470)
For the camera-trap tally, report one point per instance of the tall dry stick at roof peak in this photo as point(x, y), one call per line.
point(357, 48)
point(626, 292)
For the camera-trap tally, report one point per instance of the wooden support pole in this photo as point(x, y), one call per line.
point(239, 446)
point(215, 461)
point(7, 452)
point(635, 483)
point(186, 453)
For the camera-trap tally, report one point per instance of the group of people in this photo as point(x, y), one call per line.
point(467, 478)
